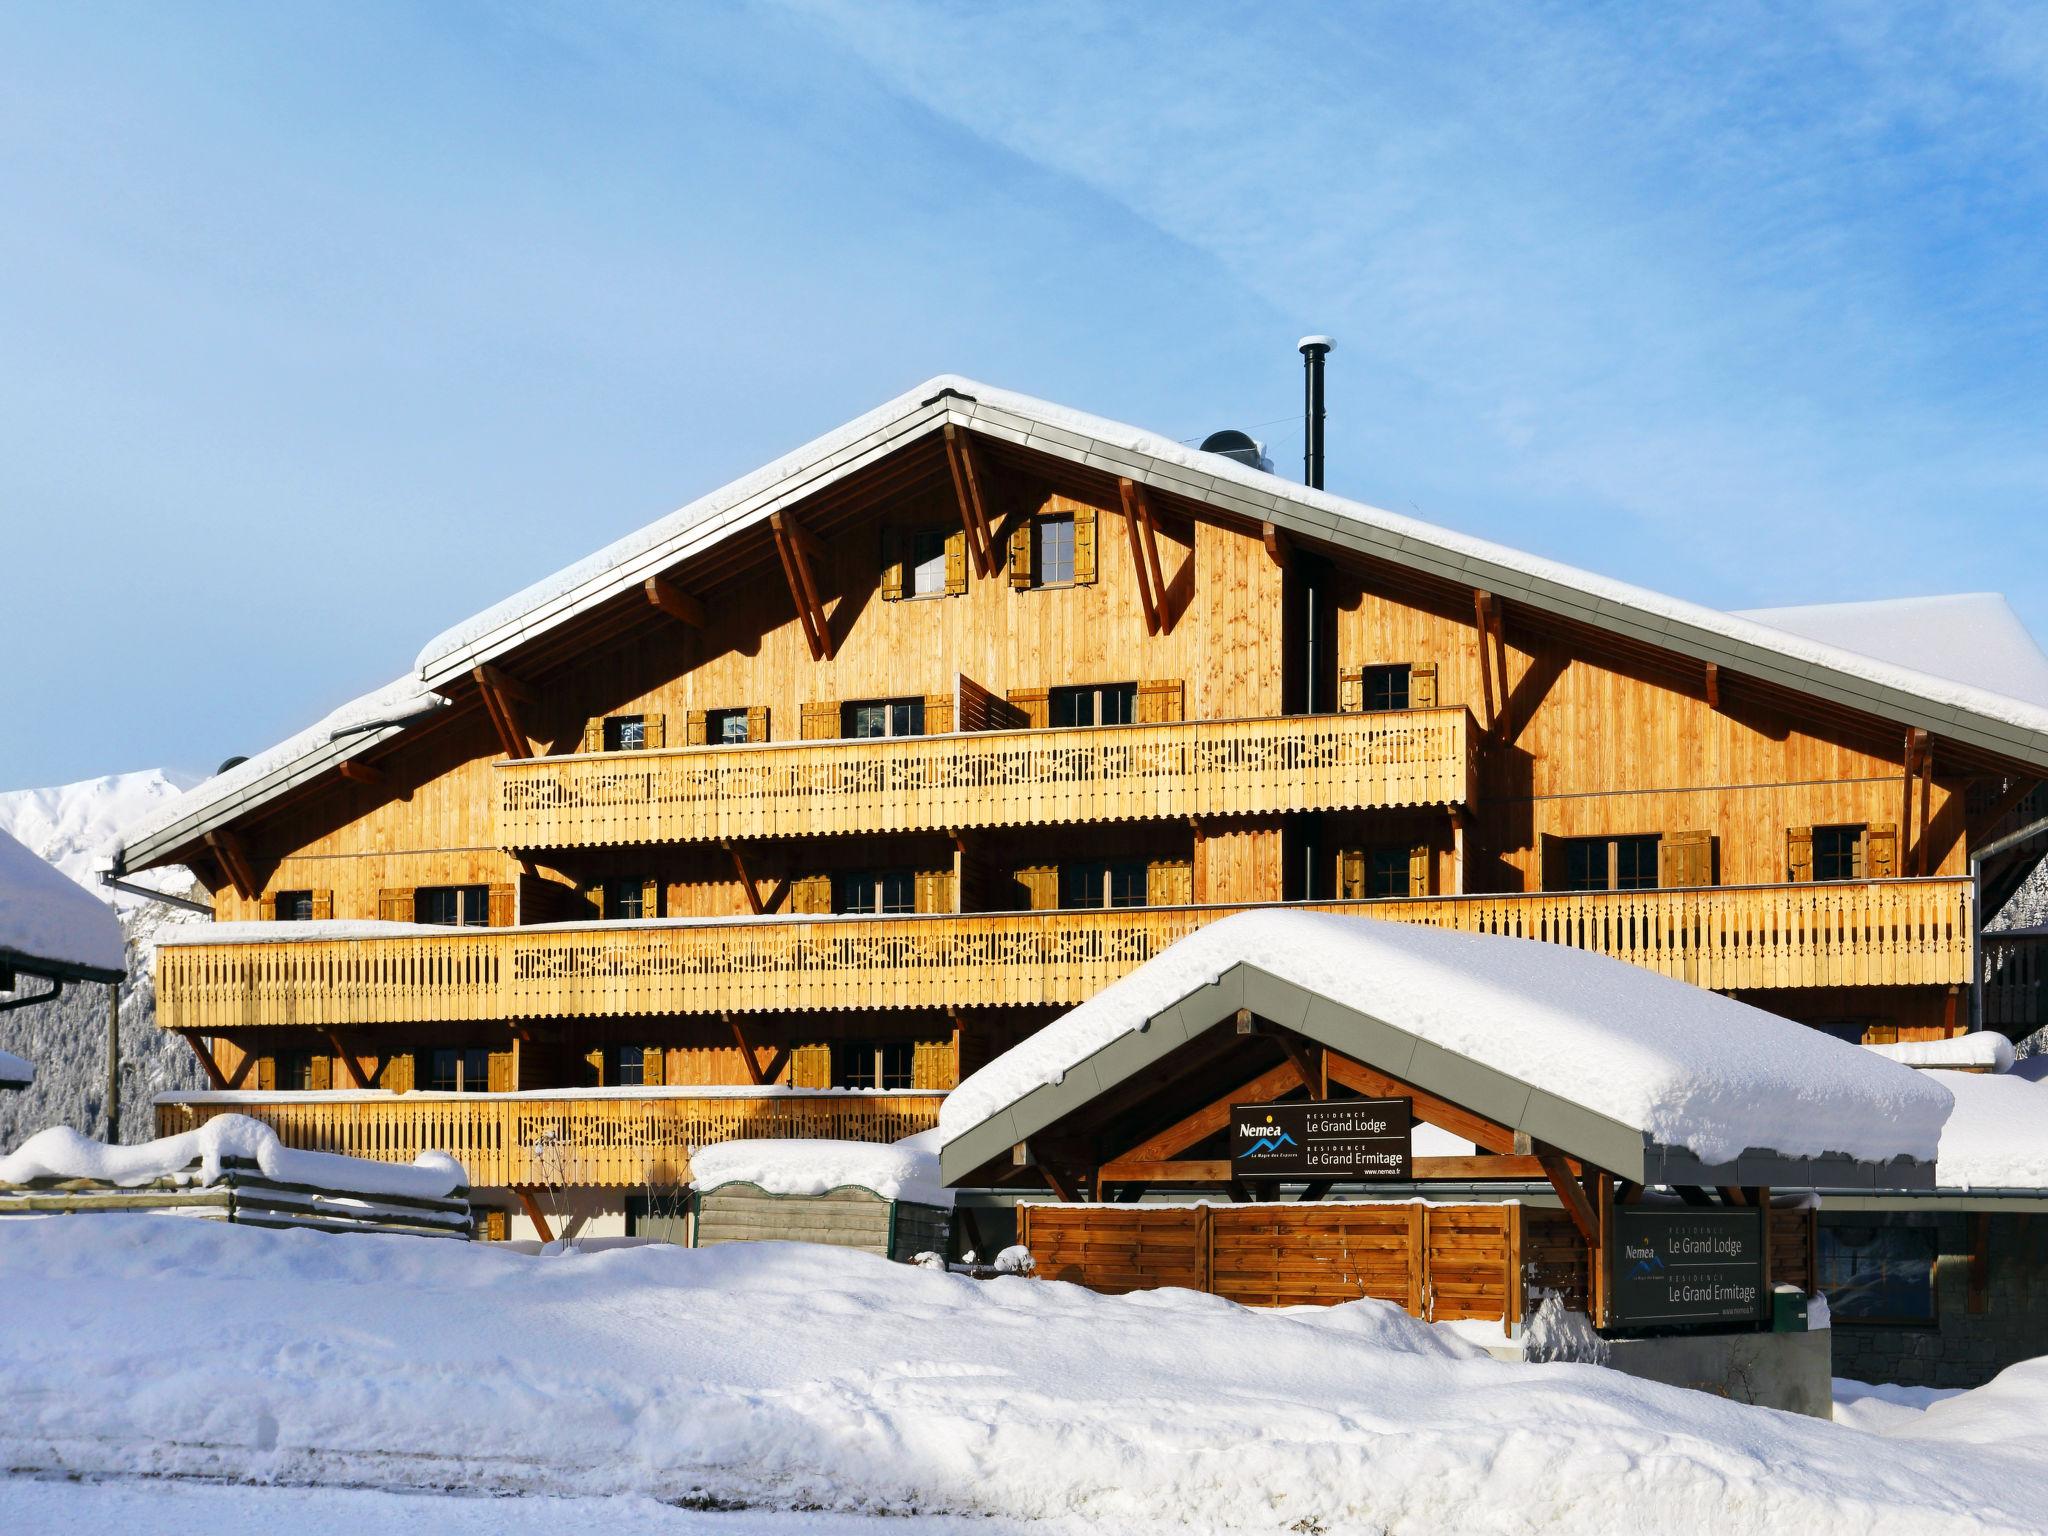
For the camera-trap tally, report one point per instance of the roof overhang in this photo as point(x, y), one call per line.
point(54, 970)
point(1627, 1151)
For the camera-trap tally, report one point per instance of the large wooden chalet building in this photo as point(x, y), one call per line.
point(780, 814)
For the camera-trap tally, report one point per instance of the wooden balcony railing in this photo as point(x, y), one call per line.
point(989, 779)
point(2015, 985)
point(1873, 933)
point(558, 1140)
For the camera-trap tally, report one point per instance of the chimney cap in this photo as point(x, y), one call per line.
point(1318, 343)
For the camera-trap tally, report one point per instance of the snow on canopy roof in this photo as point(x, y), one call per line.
point(1984, 1049)
point(1686, 1067)
point(15, 1072)
point(903, 1170)
point(46, 916)
point(1997, 1139)
point(1966, 637)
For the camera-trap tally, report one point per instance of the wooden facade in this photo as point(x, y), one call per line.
point(1014, 727)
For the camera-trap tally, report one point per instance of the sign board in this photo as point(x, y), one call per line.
point(1670, 1266)
point(1338, 1139)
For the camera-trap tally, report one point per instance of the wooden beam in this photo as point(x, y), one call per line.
point(500, 693)
point(674, 601)
point(799, 548)
point(739, 868)
point(1148, 596)
point(1277, 547)
point(207, 1064)
point(739, 1035)
point(534, 1213)
point(1149, 526)
point(1926, 797)
point(360, 773)
point(1459, 1121)
point(241, 1073)
point(1713, 685)
point(1199, 1170)
point(1576, 1205)
point(1906, 761)
point(1213, 1116)
point(965, 465)
point(349, 1063)
point(508, 685)
point(1305, 1056)
point(1061, 1185)
point(1479, 601)
point(234, 862)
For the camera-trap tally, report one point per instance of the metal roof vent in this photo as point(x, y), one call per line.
point(1236, 445)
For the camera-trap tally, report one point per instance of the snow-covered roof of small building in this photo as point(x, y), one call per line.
point(902, 1170)
point(1651, 1078)
point(1968, 709)
point(1983, 1051)
point(1997, 1138)
point(1966, 637)
point(15, 1072)
point(51, 925)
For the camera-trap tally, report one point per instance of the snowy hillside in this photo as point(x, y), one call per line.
point(71, 825)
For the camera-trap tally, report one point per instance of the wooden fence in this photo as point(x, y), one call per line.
point(1867, 933)
point(243, 1195)
point(990, 779)
point(558, 1141)
point(1438, 1261)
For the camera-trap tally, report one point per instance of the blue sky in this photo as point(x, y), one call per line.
point(322, 327)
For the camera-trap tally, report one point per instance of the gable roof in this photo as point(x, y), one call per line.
point(1966, 637)
point(1993, 722)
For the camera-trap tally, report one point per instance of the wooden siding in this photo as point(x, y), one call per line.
point(555, 1141)
point(989, 779)
point(1870, 933)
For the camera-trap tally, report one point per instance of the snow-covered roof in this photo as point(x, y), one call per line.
point(1997, 1139)
point(1983, 1051)
point(1966, 637)
point(15, 1072)
point(1969, 708)
point(903, 1170)
point(49, 920)
point(1542, 1032)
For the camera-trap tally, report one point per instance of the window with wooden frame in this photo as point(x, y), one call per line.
point(1383, 872)
point(625, 898)
point(1868, 851)
point(1837, 853)
point(923, 562)
point(874, 892)
point(861, 719)
point(453, 906)
point(304, 1071)
point(1386, 687)
point(295, 907)
point(1629, 863)
point(879, 1064)
point(459, 1069)
point(1054, 549)
point(1093, 704)
point(725, 727)
point(1096, 883)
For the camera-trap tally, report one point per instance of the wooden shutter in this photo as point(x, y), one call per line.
point(501, 905)
point(931, 1064)
point(594, 1060)
point(496, 1226)
point(594, 895)
point(1169, 883)
point(1020, 554)
point(935, 890)
point(395, 906)
point(593, 736)
point(1351, 691)
point(892, 564)
point(323, 906)
point(1162, 700)
point(1035, 704)
point(399, 1073)
point(264, 1077)
point(811, 895)
point(757, 723)
point(956, 562)
point(821, 720)
point(501, 1074)
point(1421, 866)
point(1351, 874)
point(1685, 859)
point(320, 1073)
point(1040, 885)
point(1084, 545)
point(1881, 851)
point(266, 908)
point(810, 1066)
point(653, 1061)
point(653, 731)
point(697, 728)
point(650, 898)
point(938, 714)
point(1550, 862)
point(1421, 688)
point(1799, 853)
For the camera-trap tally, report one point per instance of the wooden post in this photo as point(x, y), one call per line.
point(1205, 1245)
point(113, 1063)
point(1603, 1214)
point(534, 1213)
point(1512, 1308)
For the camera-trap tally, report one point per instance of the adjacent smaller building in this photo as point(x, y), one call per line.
point(54, 931)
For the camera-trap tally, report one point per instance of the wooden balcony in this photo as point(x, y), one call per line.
point(559, 1140)
point(989, 779)
point(1875, 933)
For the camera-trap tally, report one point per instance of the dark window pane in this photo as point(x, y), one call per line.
point(1585, 864)
point(899, 891)
point(1072, 706)
point(438, 904)
point(625, 899)
point(295, 906)
point(927, 562)
point(1127, 885)
point(1386, 688)
point(294, 1071)
point(854, 892)
point(625, 733)
point(866, 720)
point(476, 1070)
point(1055, 555)
point(444, 1067)
point(1834, 852)
point(1388, 875)
point(1635, 863)
point(906, 717)
point(894, 1061)
point(1877, 1271)
point(1117, 704)
point(632, 1066)
point(726, 727)
point(1081, 884)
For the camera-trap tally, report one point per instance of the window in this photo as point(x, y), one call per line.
point(927, 563)
point(1834, 852)
point(726, 727)
point(454, 906)
point(625, 733)
point(464, 1070)
point(872, 1064)
point(1385, 688)
point(625, 899)
point(1052, 555)
point(632, 1066)
point(1387, 875)
point(1610, 863)
point(1877, 1272)
point(1103, 883)
point(874, 891)
point(882, 717)
point(295, 1070)
point(1099, 704)
point(295, 906)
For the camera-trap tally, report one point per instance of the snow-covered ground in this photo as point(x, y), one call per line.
point(781, 1377)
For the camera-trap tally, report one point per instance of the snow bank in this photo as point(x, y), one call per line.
point(46, 916)
point(14, 1071)
point(1691, 1068)
point(1998, 1136)
point(904, 1170)
point(1985, 1049)
point(61, 1153)
point(847, 1383)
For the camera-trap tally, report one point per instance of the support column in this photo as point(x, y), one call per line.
point(113, 1063)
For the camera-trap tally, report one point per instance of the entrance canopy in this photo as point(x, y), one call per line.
point(1529, 1049)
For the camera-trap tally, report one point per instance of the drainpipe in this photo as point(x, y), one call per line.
point(1977, 858)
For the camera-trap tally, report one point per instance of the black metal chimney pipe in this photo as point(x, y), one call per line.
point(1313, 350)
